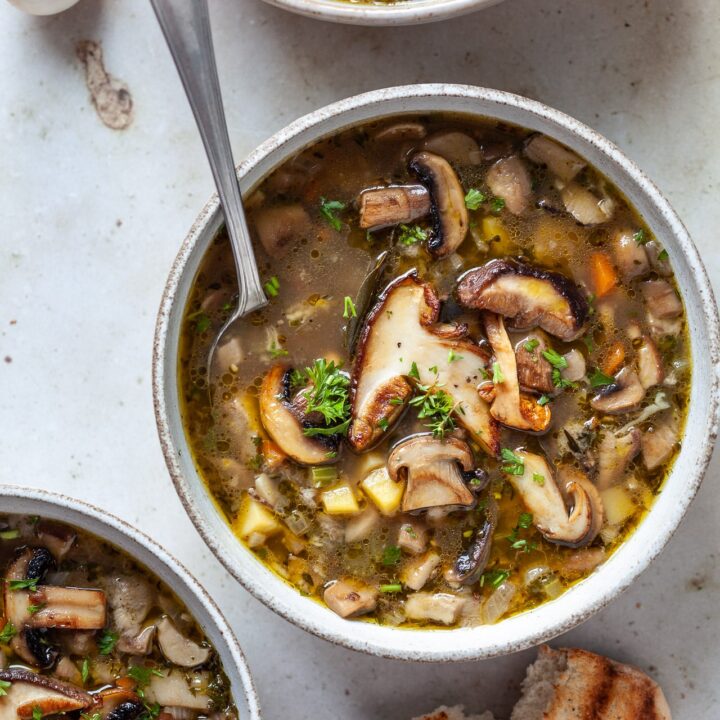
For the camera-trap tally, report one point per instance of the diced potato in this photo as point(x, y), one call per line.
point(618, 503)
point(340, 500)
point(383, 491)
point(497, 235)
point(254, 518)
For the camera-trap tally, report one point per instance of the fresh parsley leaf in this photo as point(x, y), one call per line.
point(328, 209)
point(474, 199)
point(411, 235)
point(383, 424)
point(525, 519)
point(141, 675)
point(349, 310)
point(202, 323)
point(494, 578)
point(37, 712)
point(452, 356)
point(543, 400)
point(85, 670)
point(4, 685)
point(560, 381)
point(512, 464)
point(663, 255)
point(498, 376)
point(29, 584)
point(497, 204)
point(598, 378)
point(391, 555)
point(32, 609)
point(277, 351)
point(414, 372)
point(555, 359)
point(436, 406)
point(7, 633)
point(107, 642)
point(531, 344)
point(434, 369)
point(640, 237)
point(327, 395)
point(539, 479)
point(409, 530)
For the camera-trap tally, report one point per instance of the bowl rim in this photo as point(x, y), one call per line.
point(391, 642)
point(412, 12)
point(84, 514)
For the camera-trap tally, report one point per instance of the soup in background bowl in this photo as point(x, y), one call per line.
point(470, 383)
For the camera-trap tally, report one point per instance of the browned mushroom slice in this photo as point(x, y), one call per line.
point(179, 688)
point(404, 130)
point(664, 308)
point(630, 255)
point(456, 147)
point(510, 407)
point(560, 161)
point(534, 372)
point(59, 607)
point(529, 296)
point(625, 394)
point(284, 425)
point(659, 443)
point(433, 472)
point(120, 704)
point(349, 598)
point(392, 205)
point(401, 336)
point(177, 648)
point(650, 364)
point(279, 228)
point(540, 493)
point(29, 695)
point(614, 455)
point(510, 180)
point(449, 214)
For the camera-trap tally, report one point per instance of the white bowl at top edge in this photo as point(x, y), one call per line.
point(616, 574)
point(28, 501)
point(405, 12)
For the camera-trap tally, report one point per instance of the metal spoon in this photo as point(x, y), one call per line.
point(186, 26)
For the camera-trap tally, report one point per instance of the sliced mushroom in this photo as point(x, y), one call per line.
point(58, 539)
point(585, 206)
point(577, 439)
point(630, 255)
point(449, 214)
point(659, 260)
point(625, 394)
point(284, 425)
point(456, 147)
point(444, 608)
point(404, 130)
point(30, 694)
point(509, 179)
point(471, 562)
point(659, 443)
point(614, 455)
point(402, 330)
point(177, 648)
point(433, 471)
point(59, 607)
point(384, 206)
point(131, 600)
point(560, 161)
point(534, 372)
point(362, 526)
point(527, 295)
point(349, 598)
point(546, 502)
point(664, 308)
point(177, 688)
point(418, 571)
point(650, 364)
point(510, 407)
point(279, 228)
point(576, 367)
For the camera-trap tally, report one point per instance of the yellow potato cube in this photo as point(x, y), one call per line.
point(493, 227)
point(618, 503)
point(383, 491)
point(254, 518)
point(340, 500)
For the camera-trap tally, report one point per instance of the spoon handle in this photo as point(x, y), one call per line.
point(186, 26)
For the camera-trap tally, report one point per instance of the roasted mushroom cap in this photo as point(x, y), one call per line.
point(539, 490)
point(29, 694)
point(177, 648)
point(284, 425)
point(510, 180)
point(433, 472)
point(401, 336)
point(626, 393)
point(529, 296)
point(450, 216)
point(384, 206)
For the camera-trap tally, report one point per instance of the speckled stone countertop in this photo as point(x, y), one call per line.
point(91, 218)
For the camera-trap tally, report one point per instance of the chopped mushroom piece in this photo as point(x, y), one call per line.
point(433, 472)
point(659, 443)
point(630, 255)
point(131, 599)
point(120, 704)
point(438, 607)
point(664, 309)
point(560, 161)
point(456, 147)
point(179, 689)
point(614, 455)
point(58, 539)
point(534, 372)
point(509, 179)
point(362, 526)
point(625, 394)
point(527, 295)
point(401, 336)
point(405, 130)
point(650, 364)
point(30, 694)
point(284, 423)
point(510, 407)
point(349, 598)
point(384, 206)
point(177, 648)
point(279, 228)
point(413, 536)
point(418, 571)
point(575, 370)
point(546, 502)
point(450, 216)
point(659, 260)
point(585, 206)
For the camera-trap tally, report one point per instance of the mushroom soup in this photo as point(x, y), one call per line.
point(88, 632)
point(468, 385)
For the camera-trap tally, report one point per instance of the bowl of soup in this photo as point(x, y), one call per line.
point(483, 391)
point(382, 12)
point(98, 620)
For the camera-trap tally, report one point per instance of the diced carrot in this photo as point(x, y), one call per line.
point(615, 358)
point(602, 274)
point(274, 456)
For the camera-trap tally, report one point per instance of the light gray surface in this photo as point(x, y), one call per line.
point(90, 219)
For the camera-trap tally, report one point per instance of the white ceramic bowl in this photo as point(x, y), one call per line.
point(588, 596)
point(26, 501)
point(406, 12)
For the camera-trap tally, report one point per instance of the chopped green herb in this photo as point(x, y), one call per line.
point(383, 424)
point(107, 641)
point(408, 530)
point(531, 344)
point(9, 534)
point(525, 520)
point(474, 199)
point(391, 588)
point(395, 401)
point(85, 670)
point(328, 395)
point(411, 235)
point(4, 685)
point(434, 368)
point(141, 675)
point(560, 381)
point(663, 255)
point(331, 454)
point(555, 359)
point(323, 476)
point(512, 464)
point(151, 711)
point(37, 712)
point(7, 633)
point(598, 378)
point(640, 237)
point(497, 204)
point(494, 578)
point(32, 609)
point(349, 310)
point(589, 342)
point(543, 400)
point(276, 350)
point(414, 372)
point(436, 406)
point(272, 286)
point(539, 479)
point(94, 716)
point(328, 209)
point(29, 584)
point(498, 376)
point(391, 555)
point(202, 323)
point(452, 356)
